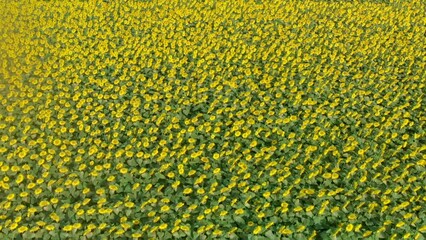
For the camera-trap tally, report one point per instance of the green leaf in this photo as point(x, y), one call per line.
point(132, 162)
point(270, 235)
point(239, 219)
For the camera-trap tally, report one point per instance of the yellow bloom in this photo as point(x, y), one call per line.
point(400, 224)
point(102, 226)
point(223, 213)
point(185, 228)
point(327, 175)
point(405, 137)
point(298, 209)
point(57, 142)
point(301, 228)
point(267, 194)
point(136, 235)
point(310, 208)
point(175, 184)
point(163, 226)
point(187, 191)
point(201, 191)
point(77, 225)
point(239, 211)
point(68, 228)
point(44, 203)
point(34, 229)
point(349, 227)
point(286, 231)
point(406, 236)
point(217, 232)
point(191, 172)
point(120, 232)
point(55, 217)
point(22, 229)
point(257, 230)
point(80, 212)
point(148, 187)
point(367, 233)
point(165, 208)
point(129, 204)
point(10, 197)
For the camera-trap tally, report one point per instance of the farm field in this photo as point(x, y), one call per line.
point(188, 119)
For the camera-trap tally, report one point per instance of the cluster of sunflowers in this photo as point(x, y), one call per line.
point(228, 119)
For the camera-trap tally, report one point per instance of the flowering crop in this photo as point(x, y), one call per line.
point(230, 119)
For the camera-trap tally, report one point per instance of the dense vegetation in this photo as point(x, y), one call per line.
point(228, 119)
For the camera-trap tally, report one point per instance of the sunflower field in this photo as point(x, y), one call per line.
point(205, 119)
